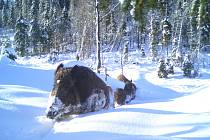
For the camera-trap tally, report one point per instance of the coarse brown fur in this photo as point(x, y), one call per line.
point(130, 90)
point(74, 85)
point(119, 96)
point(122, 78)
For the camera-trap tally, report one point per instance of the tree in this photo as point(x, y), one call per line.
point(18, 8)
point(154, 37)
point(197, 22)
point(98, 38)
point(1, 4)
point(12, 18)
point(162, 72)
point(6, 48)
point(201, 21)
point(187, 67)
point(35, 28)
point(26, 8)
point(1, 8)
point(140, 9)
point(166, 33)
point(5, 13)
point(21, 36)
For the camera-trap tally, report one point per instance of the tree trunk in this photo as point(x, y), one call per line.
point(81, 52)
point(98, 39)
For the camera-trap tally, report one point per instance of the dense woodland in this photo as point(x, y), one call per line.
point(173, 28)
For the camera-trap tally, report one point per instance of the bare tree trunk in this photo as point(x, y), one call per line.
point(81, 53)
point(98, 39)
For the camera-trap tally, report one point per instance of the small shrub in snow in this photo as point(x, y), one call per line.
point(7, 49)
point(187, 67)
point(162, 72)
point(169, 67)
point(10, 55)
point(53, 57)
point(142, 52)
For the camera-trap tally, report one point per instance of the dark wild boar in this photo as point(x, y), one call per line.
point(77, 90)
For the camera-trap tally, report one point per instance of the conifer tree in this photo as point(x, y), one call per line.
point(12, 18)
point(1, 4)
point(112, 26)
point(6, 48)
point(1, 8)
point(169, 66)
point(21, 36)
point(142, 52)
point(166, 33)
point(187, 67)
point(162, 72)
point(5, 12)
point(25, 8)
point(154, 38)
point(18, 8)
point(35, 28)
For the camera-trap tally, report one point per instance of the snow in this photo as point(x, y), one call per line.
point(164, 109)
point(4, 60)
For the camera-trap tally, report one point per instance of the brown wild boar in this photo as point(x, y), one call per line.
point(77, 90)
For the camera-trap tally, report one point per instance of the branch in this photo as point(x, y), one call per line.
point(109, 12)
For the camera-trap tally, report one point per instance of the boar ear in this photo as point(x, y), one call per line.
point(75, 70)
point(60, 66)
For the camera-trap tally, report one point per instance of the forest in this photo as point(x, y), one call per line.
point(175, 29)
point(105, 69)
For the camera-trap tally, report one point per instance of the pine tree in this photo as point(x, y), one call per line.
point(6, 48)
point(46, 39)
point(12, 18)
point(18, 8)
point(201, 22)
point(35, 28)
point(46, 28)
point(48, 12)
point(162, 72)
point(126, 6)
point(142, 52)
point(112, 27)
point(5, 13)
point(206, 27)
point(169, 66)
point(166, 33)
point(21, 36)
point(154, 37)
point(26, 9)
point(1, 4)
point(187, 67)
point(35, 35)
point(193, 23)
point(1, 8)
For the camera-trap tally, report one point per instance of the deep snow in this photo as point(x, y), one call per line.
point(164, 109)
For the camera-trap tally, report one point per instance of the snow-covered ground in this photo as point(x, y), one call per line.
point(164, 109)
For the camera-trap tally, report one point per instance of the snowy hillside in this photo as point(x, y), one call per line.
point(165, 109)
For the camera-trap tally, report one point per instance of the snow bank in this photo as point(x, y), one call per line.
point(164, 109)
point(4, 60)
